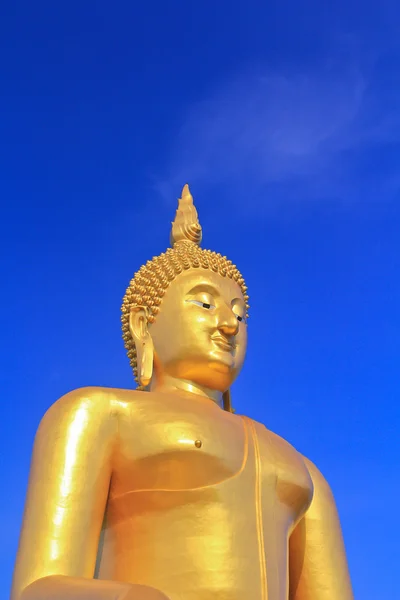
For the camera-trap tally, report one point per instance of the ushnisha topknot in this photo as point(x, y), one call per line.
point(150, 283)
point(186, 226)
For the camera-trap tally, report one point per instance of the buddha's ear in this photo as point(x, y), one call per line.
point(138, 323)
point(143, 343)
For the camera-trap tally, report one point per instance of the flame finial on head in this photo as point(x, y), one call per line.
point(186, 226)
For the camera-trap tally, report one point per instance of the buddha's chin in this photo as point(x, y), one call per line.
point(216, 376)
point(217, 371)
point(222, 366)
point(222, 361)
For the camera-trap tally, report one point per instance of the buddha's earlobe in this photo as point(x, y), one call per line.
point(143, 343)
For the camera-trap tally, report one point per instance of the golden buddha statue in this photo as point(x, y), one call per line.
point(163, 492)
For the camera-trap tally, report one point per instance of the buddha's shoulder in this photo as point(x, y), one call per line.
point(94, 402)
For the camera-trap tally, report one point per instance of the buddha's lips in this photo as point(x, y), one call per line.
point(223, 343)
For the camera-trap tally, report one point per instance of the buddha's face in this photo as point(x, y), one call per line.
point(200, 332)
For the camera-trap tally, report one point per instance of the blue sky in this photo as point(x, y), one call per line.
point(284, 118)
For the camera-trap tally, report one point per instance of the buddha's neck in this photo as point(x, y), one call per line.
point(167, 384)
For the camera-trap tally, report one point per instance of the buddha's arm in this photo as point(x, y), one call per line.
point(66, 500)
point(317, 558)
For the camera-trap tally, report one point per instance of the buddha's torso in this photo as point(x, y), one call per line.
point(201, 503)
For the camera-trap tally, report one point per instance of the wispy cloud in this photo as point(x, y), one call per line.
point(305, 133)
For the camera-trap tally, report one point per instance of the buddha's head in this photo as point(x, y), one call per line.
point(184, 313)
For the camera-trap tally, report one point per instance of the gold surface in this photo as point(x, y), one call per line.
point(164, 492)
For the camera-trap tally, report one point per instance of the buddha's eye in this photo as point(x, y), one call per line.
point(206, 305)
point(239, 310)
point(240, 318)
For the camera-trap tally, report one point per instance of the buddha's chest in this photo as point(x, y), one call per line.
point(173, 446)
point(178, 445)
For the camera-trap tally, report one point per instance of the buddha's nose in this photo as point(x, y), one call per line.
point(228, 323)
